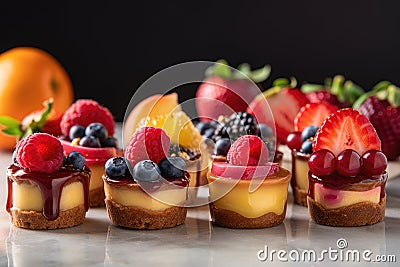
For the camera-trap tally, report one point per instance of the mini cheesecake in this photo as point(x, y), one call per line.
point(160, 205)
point(38, 200)
point(234, 206)
point(95, 160)
point(299, 181)
point(335, 200)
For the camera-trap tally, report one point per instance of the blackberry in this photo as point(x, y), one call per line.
point(185, 153)
point(236, 125)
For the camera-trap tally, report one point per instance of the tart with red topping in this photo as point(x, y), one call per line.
point(347, 174)
point(306, 124)
point(88, 128)
point(147, 189)
point(46, 190)
point(247, 191)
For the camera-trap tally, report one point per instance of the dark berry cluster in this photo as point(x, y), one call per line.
point(94, 135)
point(302, 141)
point(75, 160)
point(348, 163)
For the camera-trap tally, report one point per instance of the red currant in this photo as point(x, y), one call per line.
point(294, 141)
point(322, 162)
point(348, 163)
point(374, 162)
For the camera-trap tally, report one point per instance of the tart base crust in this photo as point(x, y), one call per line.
point(231, 219)
point(140, 218)
point(358, 214)
point(36, 221)
point(300, 196)
point(96, 197)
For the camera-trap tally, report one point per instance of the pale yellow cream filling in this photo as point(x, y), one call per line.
point(135, 197)
point(347, 198)
point(27, 197)
point(96, 180)
point(301, 173)
point(271, 196)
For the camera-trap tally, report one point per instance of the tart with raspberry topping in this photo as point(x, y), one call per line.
point(146, 189)
point(247, 191)
point(306, 124)
point(46, 190)
point(347, 174)
point(88, 128)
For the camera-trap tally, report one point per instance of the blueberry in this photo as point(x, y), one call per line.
point(264, 131)
point(76, 159)
point(109, 142)
point(146, 171)
point(222, 146)
point(306, 147)
point(89, 141)
point(98, 130)
point(76, 131)
point(204, 126)
point(116, 167)
point(209, 133)
point(309, 132)
point(172, 167)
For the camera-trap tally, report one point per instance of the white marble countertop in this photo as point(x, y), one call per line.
point(197, 242)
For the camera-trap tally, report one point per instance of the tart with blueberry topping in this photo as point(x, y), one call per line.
point(247, 191)
point(47, 190)
point(306, 124)
point(88, 128)
point(347, 174)
point(146, 189)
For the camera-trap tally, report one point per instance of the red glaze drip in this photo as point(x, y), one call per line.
point(358, 183)
point(50, 186)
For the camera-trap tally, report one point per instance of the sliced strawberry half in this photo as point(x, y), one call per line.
point(347, 129)
point(313, 114)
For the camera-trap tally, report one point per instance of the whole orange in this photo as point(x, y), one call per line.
point(29, 76)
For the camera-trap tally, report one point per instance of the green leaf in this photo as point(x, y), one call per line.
point(43, 118)
point(244, 68)
point(394, 95)
point(13, 131)
point(362, 98)
point(27, 132)
point(9, 122)
point(260, 75)
point(220, 68)
point(351, 92)
point(310, 87)
point(383, 85)
point(281, 82)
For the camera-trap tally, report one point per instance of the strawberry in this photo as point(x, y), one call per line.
point(227, 90)
point(326, 96)
point(313, 114)
point(382, 106)
point(347, 129)
point(285, 103)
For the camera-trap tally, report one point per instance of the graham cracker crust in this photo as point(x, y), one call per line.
point(96, 197)
point(300, 196)
point(231, 219)
point(36, 221)
point(358, 214)
point(140, 218)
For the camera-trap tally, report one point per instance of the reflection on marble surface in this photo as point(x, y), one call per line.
point(196, 243)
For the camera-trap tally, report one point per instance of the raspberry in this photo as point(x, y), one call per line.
point(147, 143)
point(40, 152)
point(248, 150)
point(85, 111)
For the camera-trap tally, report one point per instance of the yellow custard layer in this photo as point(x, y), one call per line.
point(270, 196)
point(132, 195)
point(300, 173)
point(97, 172)
point(333, 198)
point(27, 196)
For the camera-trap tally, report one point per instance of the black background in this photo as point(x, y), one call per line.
point(109, 49)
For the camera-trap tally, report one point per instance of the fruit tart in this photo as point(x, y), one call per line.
point(88, 128)
point(46, 190)
point(146, 189)
point(347, 174)
point(229, 128)
point(247, 191)
point(306, 124)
